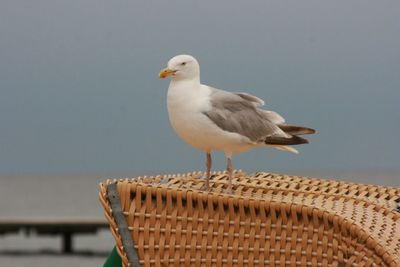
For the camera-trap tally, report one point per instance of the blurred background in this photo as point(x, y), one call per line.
point(80, 98)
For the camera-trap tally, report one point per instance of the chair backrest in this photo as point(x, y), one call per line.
point(268, 220)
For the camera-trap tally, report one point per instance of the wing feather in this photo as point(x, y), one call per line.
point(295, 130)
point(258, 102)
point(238, 113)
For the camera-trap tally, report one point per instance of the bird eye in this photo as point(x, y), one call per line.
point(183, 63)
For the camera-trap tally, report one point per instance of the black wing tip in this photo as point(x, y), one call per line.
point(312, 131)
point(300, 140)
point(293, 140)
point(295, 129)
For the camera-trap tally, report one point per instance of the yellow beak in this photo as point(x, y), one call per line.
point(165, 73)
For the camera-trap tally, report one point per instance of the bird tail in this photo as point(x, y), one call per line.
point(286, 148)
point(292, 137)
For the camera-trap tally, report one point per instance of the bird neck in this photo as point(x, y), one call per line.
point(195, 81)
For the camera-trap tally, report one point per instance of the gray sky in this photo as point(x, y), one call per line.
point(79, 91)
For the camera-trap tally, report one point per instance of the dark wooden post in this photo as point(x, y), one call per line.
point(67, 243)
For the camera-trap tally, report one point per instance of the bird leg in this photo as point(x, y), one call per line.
point(206, 186)
point(229, 170)
point(208, 165)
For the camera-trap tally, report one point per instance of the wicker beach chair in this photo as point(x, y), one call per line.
point(269, 220)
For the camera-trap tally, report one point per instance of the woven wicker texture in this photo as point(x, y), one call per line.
point(269, 220)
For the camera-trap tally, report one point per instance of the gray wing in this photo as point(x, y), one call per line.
point(251, 98)
point(238, 113)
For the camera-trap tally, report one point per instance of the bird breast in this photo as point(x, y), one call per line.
point(185, 109)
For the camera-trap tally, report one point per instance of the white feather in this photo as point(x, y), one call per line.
point(286, 148)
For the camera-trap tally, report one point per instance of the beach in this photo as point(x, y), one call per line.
point(68, 197)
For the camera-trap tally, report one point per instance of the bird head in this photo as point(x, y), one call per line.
point(182, 67)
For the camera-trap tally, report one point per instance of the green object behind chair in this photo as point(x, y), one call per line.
point(113, 259)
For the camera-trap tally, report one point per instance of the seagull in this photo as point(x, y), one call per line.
point(211, 119)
